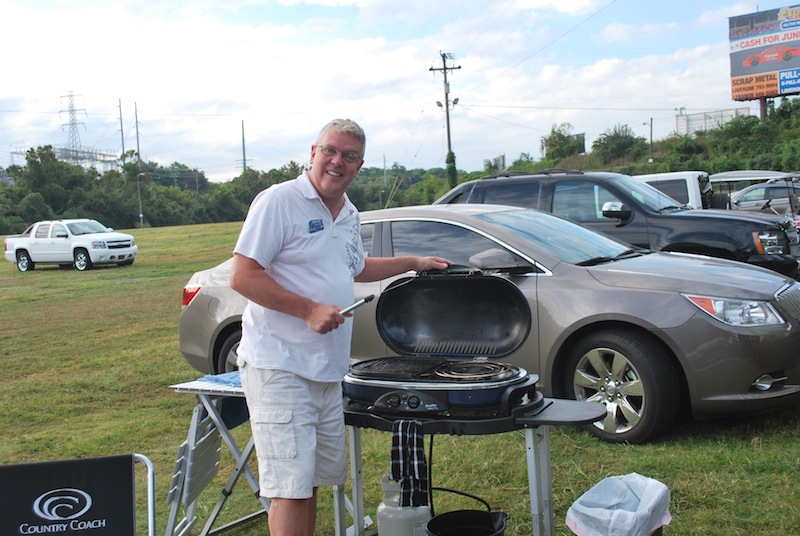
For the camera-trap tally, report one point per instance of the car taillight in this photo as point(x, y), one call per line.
point(188, 295)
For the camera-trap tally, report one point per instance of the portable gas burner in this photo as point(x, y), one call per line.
point(448, 328)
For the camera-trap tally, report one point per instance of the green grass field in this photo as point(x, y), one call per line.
point(88, 358)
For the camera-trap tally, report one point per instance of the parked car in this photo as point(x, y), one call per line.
point(635, 212)
point(771, 197)
point(730, 182)
point(650, 335)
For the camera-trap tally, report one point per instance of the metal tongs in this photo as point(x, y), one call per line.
point(357, 304)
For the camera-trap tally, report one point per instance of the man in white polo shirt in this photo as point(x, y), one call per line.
point(296, 260)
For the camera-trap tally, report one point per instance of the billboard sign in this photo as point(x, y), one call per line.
point(765, 53)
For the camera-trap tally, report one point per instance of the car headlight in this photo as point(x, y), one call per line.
point(98, 244)
point(768, 242)
point(746, 313)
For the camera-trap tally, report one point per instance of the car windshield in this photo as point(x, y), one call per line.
point(650, 197)
point(87, 227)
point(563, 239)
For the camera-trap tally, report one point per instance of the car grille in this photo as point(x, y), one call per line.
point(793, 238)
point(789, 299)
point(119, 244)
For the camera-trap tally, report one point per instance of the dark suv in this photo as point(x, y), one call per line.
point(638, 214)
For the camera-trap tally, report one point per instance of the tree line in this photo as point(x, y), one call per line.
point(48, 188)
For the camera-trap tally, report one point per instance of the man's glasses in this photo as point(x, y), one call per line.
point(351, 157)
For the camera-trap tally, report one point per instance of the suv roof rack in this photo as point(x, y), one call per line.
point(553, 171)
point(547, 171)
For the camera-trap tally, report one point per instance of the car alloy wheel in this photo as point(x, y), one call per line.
point(632, 377)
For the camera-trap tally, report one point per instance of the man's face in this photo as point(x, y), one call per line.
point(335, 162)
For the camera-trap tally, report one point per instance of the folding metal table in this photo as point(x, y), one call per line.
point(198, 460)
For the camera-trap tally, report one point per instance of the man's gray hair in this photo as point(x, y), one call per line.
point(345, 126)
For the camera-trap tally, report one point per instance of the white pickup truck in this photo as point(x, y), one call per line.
point(81, 243)
point(692, 188)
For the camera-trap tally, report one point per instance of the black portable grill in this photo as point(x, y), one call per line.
point(448, 328)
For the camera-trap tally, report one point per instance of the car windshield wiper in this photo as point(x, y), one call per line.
point(672, 207)
point(627, 254)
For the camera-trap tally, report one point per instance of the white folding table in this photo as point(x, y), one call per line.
point(198, 459)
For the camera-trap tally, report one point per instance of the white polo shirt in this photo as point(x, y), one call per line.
point(290, 232)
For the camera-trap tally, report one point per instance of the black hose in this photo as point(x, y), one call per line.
point(431, 488)
point(465, 494)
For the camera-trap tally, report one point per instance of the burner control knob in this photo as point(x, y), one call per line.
point(413, 402)
point(392, 401)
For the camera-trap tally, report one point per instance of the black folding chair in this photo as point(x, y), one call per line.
point(94, 496)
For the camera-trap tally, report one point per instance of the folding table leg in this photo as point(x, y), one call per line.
point(540, 482)
point(241, 466)
point(357, 478)
point(241, 458)
point(339, 517)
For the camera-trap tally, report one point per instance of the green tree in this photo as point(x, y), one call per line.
point(561, 143)
point(452, 172)
point(224, 205)
point(50, 177)
point(617, 143)
point(33, 208)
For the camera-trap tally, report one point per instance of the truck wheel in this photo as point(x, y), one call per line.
point(632, 377)
point(721, 200)
point(24, 262)
point(226, 362)
point(82, 260)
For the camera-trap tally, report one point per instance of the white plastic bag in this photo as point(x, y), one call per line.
point(629, 505)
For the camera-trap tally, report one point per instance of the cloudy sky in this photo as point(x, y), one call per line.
point(199, 73)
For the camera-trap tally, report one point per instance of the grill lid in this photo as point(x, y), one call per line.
point(459, 313)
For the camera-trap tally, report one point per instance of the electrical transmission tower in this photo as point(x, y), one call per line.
point(73, 136)
point(74, 152)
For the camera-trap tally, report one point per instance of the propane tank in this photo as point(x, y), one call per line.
point(396, 520)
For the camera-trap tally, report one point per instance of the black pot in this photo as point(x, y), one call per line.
point(468, 523)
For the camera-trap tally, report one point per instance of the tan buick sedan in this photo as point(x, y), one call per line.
point(652, 336)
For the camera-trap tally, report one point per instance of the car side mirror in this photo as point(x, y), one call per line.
point(61, 234)
point(616, 210)
point(499, 260)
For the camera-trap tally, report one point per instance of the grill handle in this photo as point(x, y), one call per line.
point(514, 394)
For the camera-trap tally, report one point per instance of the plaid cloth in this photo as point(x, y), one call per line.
point(408, 463)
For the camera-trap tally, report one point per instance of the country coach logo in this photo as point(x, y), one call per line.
point(62, 508)
point(62, 504)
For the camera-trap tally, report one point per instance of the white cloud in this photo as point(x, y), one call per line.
point(196, 70)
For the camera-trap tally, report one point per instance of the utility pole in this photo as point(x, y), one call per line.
point(650, 160)
point(244, 158)
point(136, 121)
point(444, 68)
point(139, 161)
point(121, 132)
